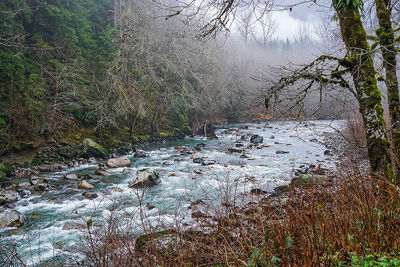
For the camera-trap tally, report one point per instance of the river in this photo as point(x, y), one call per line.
point(286, 146)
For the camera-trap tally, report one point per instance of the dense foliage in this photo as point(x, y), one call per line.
point(52, 55)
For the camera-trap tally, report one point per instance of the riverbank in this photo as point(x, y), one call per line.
point(73, 149)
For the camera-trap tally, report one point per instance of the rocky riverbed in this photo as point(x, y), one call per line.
point(44, 212)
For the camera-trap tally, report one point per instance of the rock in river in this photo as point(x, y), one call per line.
point(71, 176)
point(90, 195)
point(12, 219)
point(256, 139)
point(42, 186)
point(8, 196)
point(208, 162)
point(140, 154)
point(281, 152)
point(92, 149)
point(85, 185)
point(118, 162)
point(198, 155)
point(36, 179)
point(145, 177)
point(102, 171)
point(116, 190)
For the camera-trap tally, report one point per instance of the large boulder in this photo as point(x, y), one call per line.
point(145, 177)
point(85, 185)
point(8, 196)
point(12, 219)
point(256, 139)
point(118, 162)
point(92, 149)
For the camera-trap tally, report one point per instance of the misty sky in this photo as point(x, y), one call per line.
point(288, 23)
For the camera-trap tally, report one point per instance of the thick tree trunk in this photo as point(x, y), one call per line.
point(360, 63)
point(386, 40)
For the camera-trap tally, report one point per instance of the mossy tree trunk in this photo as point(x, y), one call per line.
point(360, 63)
point(386, 39)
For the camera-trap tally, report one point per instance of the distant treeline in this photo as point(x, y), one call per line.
point(69, 65)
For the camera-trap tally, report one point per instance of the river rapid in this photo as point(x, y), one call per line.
point(51, 217)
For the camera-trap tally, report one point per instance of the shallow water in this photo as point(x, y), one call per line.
point(43, 236)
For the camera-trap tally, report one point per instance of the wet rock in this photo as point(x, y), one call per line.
point(35, 179)
point(198, 160)
point(116, 190)
point(198, 155)
point(12, 219)
point(42, 186)
point(243, 156)
point(281, 152)
point(180, 148)
point(140, 154)
point(145, 177)
point(208, 162)
point(85, 185)
point(90, 195)
point(119, 162)
point(201, 145)
point(51, 167)
point(103, 172)
point(92, 149)
point(8, 196)
point(234, 150)
point(25, 193)
point(71, 176)
point(73, 226)
point(327, 152)
point(256, 139)
point(92, 160)
point(150, 206)
point(236, 162)
point(314, 140)
point(239, 145)
point(197, 171)
point(167, 163)
point(272, 137)
point(127, 170)
point(197, 149)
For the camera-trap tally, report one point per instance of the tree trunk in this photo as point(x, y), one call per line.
point(360, 63)
point(386, 39)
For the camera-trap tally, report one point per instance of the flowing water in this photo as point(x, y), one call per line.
point(182, 181)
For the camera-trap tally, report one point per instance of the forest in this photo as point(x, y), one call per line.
point(199, 133)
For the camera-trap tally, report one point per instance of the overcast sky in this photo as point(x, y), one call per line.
point(288, 23)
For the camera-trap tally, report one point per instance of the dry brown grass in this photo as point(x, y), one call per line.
point(325, 222)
